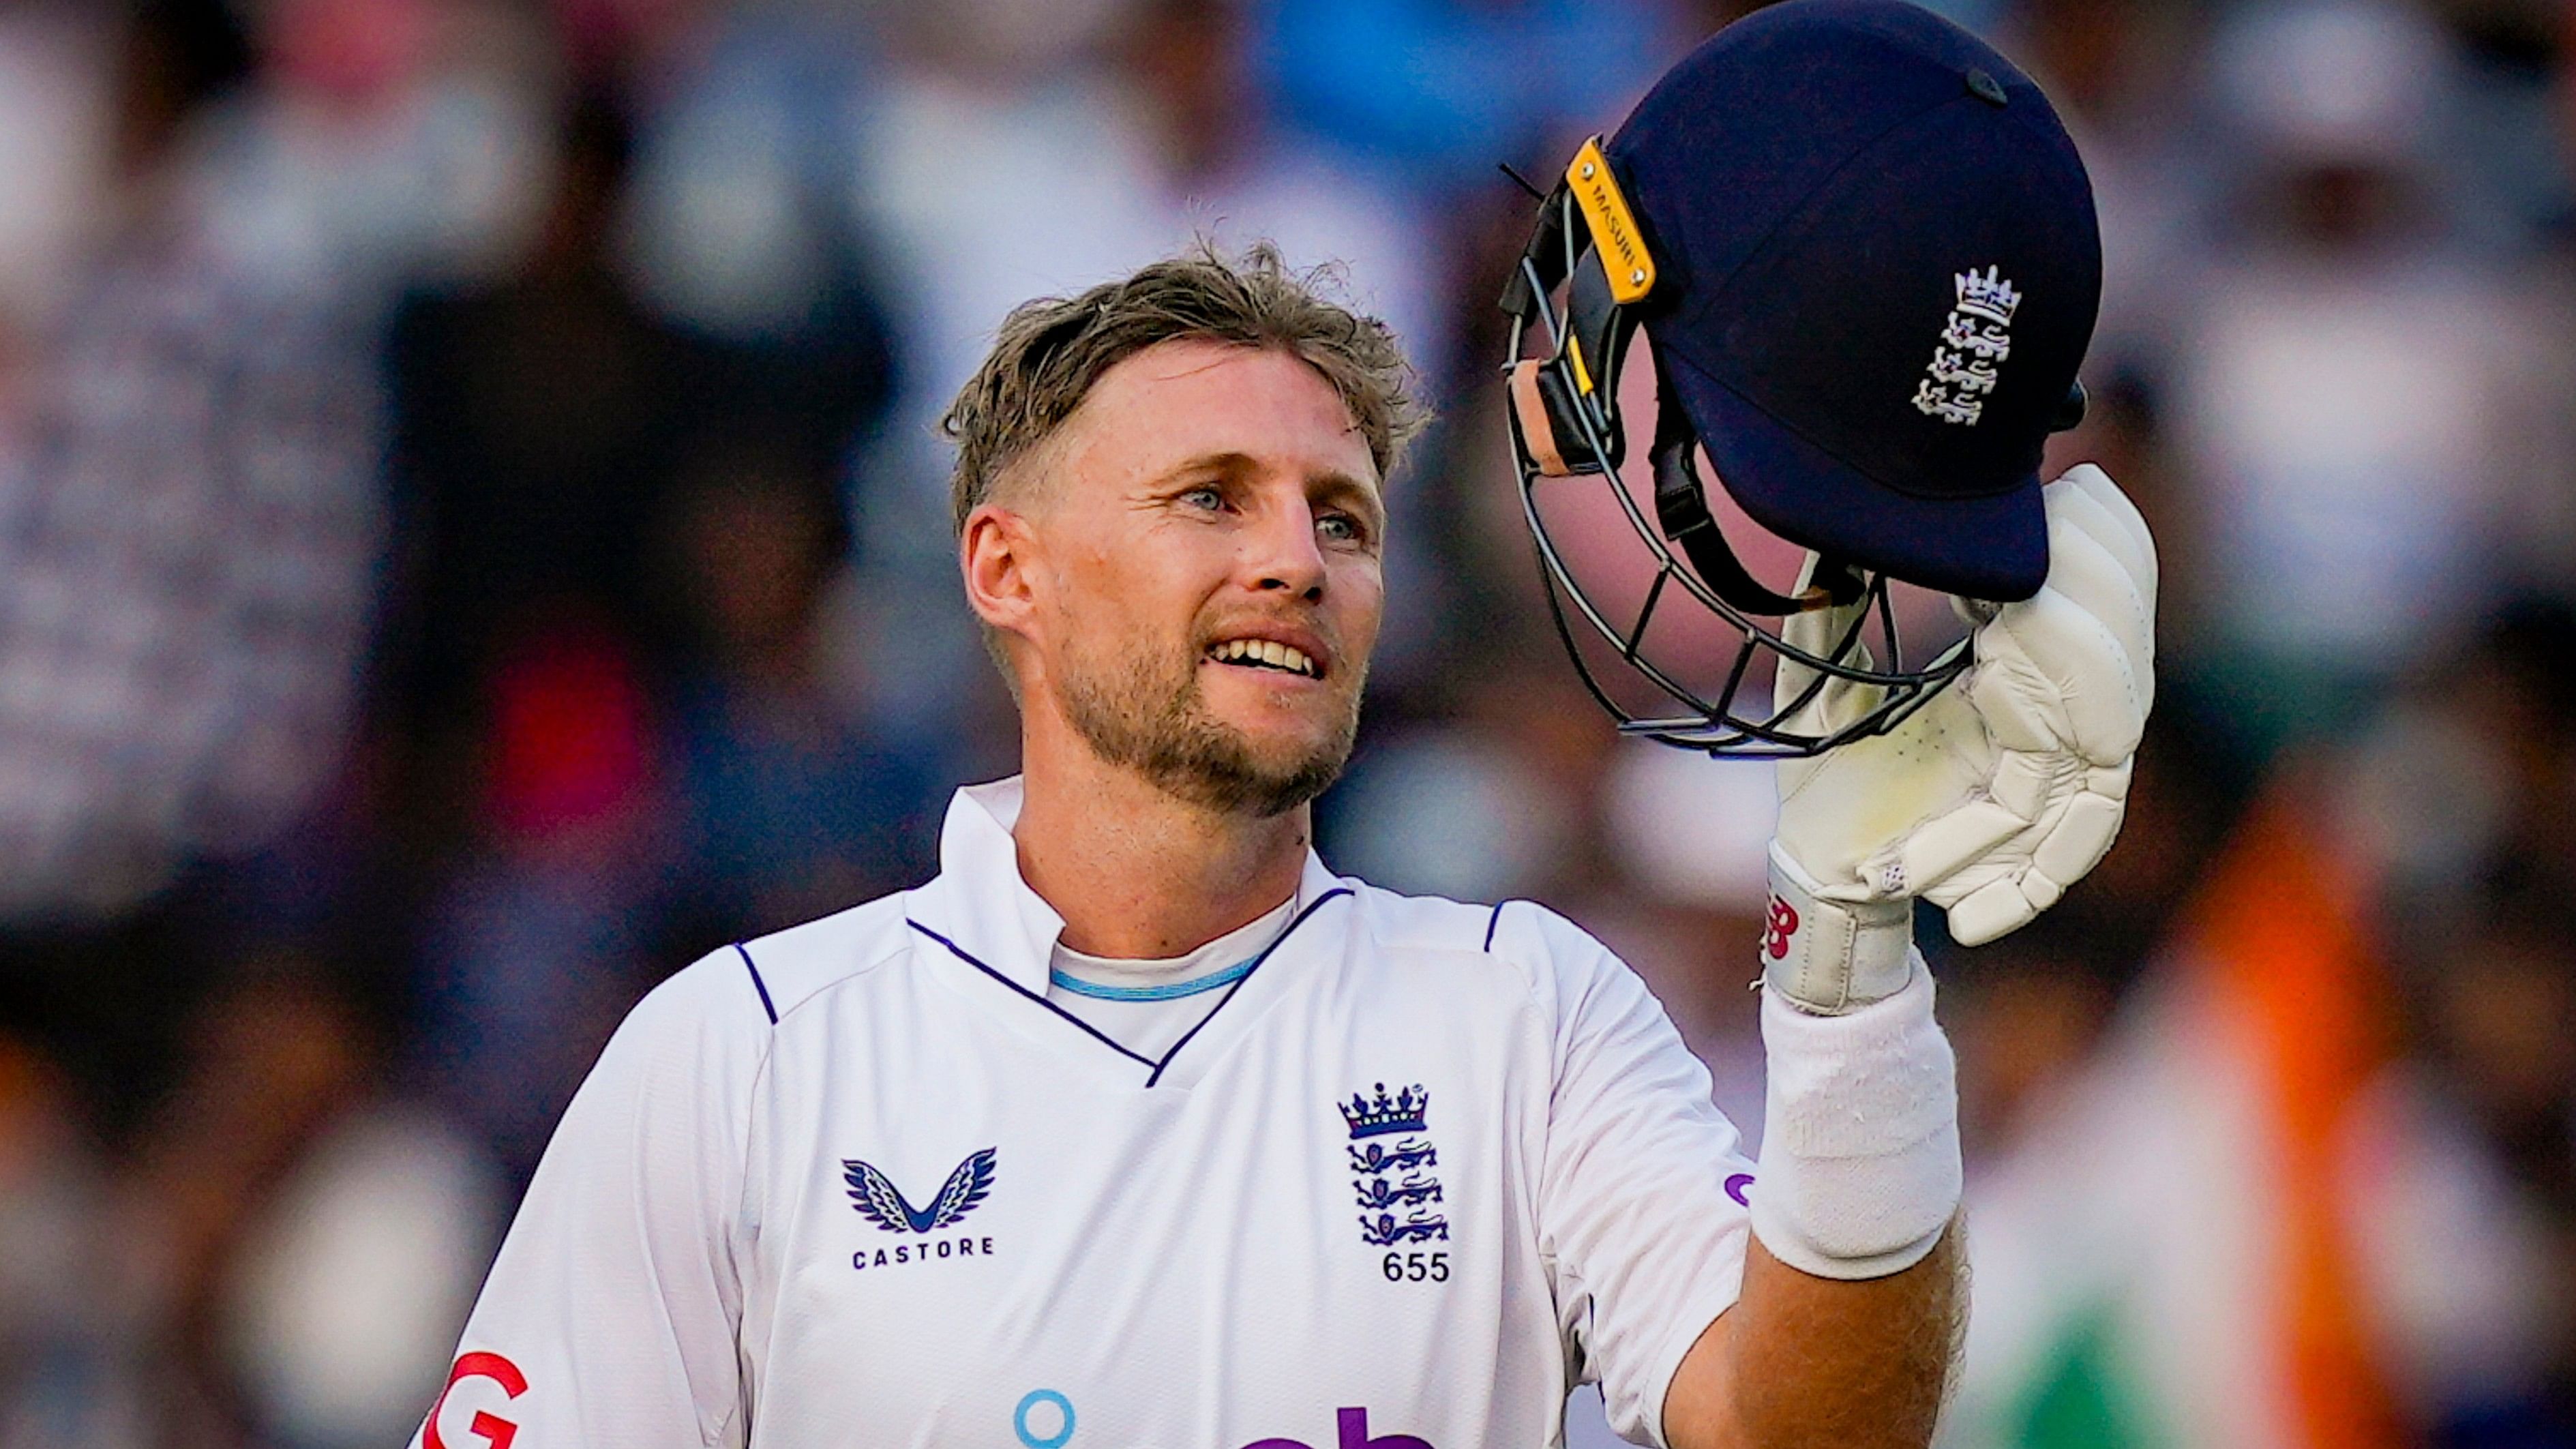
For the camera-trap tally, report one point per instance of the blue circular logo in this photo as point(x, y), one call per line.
point(1064, 1426)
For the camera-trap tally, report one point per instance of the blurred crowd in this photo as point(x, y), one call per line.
point(472, 540)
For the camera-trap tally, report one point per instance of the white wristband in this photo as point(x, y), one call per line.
point(1829, 957)
point(1860, 1139)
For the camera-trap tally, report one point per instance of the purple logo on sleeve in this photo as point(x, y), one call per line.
point(1736, 1186)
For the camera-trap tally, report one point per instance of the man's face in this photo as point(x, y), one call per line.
point(1203, 584)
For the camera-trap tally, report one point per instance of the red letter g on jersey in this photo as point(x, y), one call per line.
point(497, 1432)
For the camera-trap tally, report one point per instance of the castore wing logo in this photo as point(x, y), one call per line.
point(874, 1195)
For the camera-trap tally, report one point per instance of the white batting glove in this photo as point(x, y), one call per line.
point(1991, 799)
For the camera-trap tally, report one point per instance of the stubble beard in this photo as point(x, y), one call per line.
point(1140, 715)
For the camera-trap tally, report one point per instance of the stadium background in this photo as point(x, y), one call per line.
point(471, 539)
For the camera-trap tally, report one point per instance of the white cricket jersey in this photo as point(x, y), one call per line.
point(1419, 1172)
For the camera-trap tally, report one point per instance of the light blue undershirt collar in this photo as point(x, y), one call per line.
point(1159, 991)
point(1266, 931)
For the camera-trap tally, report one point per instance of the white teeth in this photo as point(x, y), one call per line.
point(1266, 651)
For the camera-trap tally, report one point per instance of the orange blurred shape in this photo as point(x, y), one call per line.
point(2289, 968)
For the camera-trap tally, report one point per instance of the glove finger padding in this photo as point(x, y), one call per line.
point(2051, 676)
point(1997, 908)
point(2100, 509)
point(1818, 631)
point(2086, 573)
point(2083, 835)
point(2129, 536)
point(2063, 685)
point(1999, 895)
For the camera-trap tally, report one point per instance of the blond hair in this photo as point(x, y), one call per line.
point(1053, 350)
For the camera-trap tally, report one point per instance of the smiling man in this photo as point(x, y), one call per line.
point(1137, 1126)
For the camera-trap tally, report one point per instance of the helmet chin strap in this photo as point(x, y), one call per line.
point(1545, 406)
point(1681, 506)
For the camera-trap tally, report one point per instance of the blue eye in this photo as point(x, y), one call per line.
point(1203, 497)
point(1339, 527)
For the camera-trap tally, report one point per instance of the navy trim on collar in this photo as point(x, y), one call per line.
point(1316, 905)
point(961, 954)
point(1157, 1068)
point(757, 984)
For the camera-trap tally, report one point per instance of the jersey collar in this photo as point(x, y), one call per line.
point(981, 903)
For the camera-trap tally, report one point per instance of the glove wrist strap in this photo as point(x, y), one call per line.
point(1827, 957)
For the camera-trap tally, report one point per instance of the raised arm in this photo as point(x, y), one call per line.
point(1990, 801)
point(1825, 1361)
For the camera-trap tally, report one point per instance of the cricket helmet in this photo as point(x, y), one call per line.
point(1863, 252)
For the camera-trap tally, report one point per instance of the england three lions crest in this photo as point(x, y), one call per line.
point(1390, 1153)
point(1967, 362)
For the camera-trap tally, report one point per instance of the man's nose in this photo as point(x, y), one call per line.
point(1285, 557)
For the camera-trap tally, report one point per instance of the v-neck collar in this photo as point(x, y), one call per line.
point(981, 911)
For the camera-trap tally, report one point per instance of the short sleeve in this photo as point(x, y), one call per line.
point(611, 1313)
point(1642, 1189)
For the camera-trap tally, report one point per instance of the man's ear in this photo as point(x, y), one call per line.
point(995, 553)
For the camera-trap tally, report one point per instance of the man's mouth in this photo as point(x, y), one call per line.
point(1265, 654)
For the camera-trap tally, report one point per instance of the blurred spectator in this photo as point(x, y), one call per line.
point(1231, 173)
point(790, 807)
point(346, 1291)
point(1040, 155)
point(534, 418)
point(2371, 416)
point(547, 929)
point(181, 1283)
point(187, 547)
point(2119, 75)
point(388, 142)
point(739, 222)
point(1000, 162)
point(267, 1065)
point(57, 100)
point(539, 419)
point(190, 533)
point(203, 456)
point(1441, 90)
point(63, 1379)
point(2467, 805)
